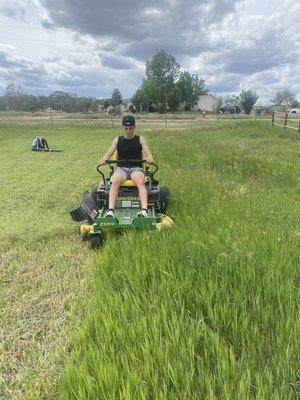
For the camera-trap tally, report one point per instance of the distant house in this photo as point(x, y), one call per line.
point(127, 104)
point(207, 102)
point(36, 109)
point(119, 109)
point(100, 108)
point(50, 109)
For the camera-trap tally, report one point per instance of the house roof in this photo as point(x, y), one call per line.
point(208, 95)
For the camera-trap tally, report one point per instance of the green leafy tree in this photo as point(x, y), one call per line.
point(148, 94)
point(198, 86)
point(163, 70)
point(185, 85)
point(173, 98)
point(139, 99)
point(13, 90)
point(15, 98)
point(285, 97)
point(160, 88)
point(219, 104)
point(60, 100)
point(248, 98)
point(116, 97)
point(90, 104)
point(232, 100)
point(107, 103)
point(191, 86)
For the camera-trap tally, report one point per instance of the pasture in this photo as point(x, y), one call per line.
point(205, 310)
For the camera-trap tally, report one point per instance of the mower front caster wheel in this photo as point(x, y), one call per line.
point(84, 236)
point(96, 240)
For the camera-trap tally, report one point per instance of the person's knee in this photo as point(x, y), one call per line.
point(117, 179)
point(139, 183)
point(138, 179)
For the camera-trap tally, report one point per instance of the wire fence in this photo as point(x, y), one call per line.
point(147, 122)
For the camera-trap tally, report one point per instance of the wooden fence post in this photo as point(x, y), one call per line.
point(299, 126)
point(285, 120)
point(273, 117)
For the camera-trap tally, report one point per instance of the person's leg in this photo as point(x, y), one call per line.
point(116, 181)
point(138, 178)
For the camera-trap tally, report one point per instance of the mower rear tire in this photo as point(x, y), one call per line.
point(96, 240)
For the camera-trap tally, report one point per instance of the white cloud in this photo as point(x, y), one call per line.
point(233, 45)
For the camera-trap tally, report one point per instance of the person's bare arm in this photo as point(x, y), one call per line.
point(146, 150)
point(109, 152)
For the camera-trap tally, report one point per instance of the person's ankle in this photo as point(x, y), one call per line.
point(143, 212)
point(110, 212)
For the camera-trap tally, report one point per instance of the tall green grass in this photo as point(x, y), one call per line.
point(209, 308)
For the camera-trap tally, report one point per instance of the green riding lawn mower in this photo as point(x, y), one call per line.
point(94, 205)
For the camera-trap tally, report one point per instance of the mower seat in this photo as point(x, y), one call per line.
point(129, 182)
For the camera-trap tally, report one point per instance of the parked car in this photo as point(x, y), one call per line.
point(227, 109)
point(294, 111)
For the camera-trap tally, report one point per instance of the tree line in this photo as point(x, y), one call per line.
point(165, 87)
point(16, 99)
point(247, 99)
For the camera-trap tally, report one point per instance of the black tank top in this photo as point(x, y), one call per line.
point(129, 149)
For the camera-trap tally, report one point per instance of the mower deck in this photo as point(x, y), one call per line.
point(126, 218)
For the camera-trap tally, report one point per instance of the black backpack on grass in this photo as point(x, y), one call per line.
point(39, 144)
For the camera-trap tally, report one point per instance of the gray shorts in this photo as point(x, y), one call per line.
point(128, 171)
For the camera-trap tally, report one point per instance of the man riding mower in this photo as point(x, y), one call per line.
point(130, 197)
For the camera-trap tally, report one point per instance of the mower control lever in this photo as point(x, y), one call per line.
point(101, 173)
point(132, 162)
point(109, 162)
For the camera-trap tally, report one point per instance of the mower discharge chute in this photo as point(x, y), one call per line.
point(94, 205)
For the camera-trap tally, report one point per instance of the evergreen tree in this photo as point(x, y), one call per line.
point(116, 97)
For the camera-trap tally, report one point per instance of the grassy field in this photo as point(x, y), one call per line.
point(205, 310)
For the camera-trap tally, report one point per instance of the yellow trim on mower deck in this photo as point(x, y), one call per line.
point(165, 222)
point(85, 228)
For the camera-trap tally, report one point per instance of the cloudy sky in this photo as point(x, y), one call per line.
point(90, 47)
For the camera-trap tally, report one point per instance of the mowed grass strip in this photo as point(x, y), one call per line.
point(45, 270)
point(209, 308)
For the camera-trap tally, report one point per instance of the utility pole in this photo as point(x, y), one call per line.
point(51, 117)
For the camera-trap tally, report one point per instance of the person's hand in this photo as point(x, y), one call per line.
point(149, 160)
point(102, 161)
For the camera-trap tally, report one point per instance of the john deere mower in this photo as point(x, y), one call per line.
point(94, 205)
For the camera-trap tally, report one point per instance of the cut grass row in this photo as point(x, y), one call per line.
point(45, 271)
